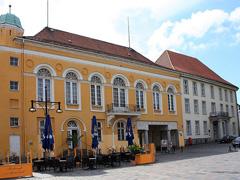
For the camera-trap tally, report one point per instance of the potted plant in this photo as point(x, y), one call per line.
point(135, 149)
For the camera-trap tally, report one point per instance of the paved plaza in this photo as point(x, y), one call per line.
point(212, 161)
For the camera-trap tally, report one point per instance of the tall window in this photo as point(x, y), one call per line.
point(99, 130)
point(212, 91)
point(119, 92)
point(185, 86)
point(140, 95)
point(96, 91)
point(188, 127)
point(227, 110)
point(197, 128)
point(203, 90)
point(204, 107)
point(195, 90)
point(196, 107)
point(187, 105)
point(231, 96)
point(220, 94)
point(221, 107)
point(233, 113)
point(44, 80)
point(213, 107)
point(234, 128)
point(226, 95)
point(71, 88)
point(41, 129)
point(171, 103)
point(205, 131)
point(121, 130)
point(156, 98)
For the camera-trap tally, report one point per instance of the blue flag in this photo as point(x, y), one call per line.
point(129, 132)
point(94, 132)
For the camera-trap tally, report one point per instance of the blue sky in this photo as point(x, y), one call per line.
point(206, 29)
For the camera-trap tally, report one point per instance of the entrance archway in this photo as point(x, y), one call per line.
point(73, 134)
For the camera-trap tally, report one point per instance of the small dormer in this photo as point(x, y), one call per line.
point(10, 27)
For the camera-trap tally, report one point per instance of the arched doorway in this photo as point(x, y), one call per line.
point(73, 134)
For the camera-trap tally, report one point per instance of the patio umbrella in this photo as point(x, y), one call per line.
point(94, 133)
point(48, 141)
point(129, 132)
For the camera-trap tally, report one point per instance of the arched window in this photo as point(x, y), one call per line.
point(140, 95)
point(43, 80)
point(71, 88)
point(119, 92)
point(121, 131)
point(72, 134)
point(156, 98)
point(171, 103)
point(96, 91)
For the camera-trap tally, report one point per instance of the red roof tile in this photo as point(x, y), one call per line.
point(58, 37)
point(187, 64)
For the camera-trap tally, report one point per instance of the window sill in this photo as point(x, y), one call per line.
point(141, 109)
point(158, 111)
point(97, 108)
point(14, 126)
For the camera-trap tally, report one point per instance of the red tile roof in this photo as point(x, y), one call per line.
point(62, 38)
point(187, 64)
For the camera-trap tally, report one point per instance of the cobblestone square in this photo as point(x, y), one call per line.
point(208, 161)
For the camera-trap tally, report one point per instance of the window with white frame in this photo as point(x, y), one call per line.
point(43, 80)
point(212, 92)
point(96, 91)
point(220, 94)
point(119, 92)
point(196, 106)
point(221, 107)
point(13, 61)
point(41, 128)
point(188, 128)
point(226, 95)
point(156, 98)
point(204, 107)
point(14, 122)
point(233, 112)
point(121, 131)
point(140, 96)
point(203, 93)
point(71, 88)
point(187, 105)
point(213, 107)
point(14, 85)
point(205, 128)
point(197, 128)
point(185, 86)
point(231, 96)
point(227, 109)
point(234, 128)
point(195, 89)
point(99, 130)
point(171, 103)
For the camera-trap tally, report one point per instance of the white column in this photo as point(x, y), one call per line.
point(113, 143)
point(169, 135)
point(146, 136)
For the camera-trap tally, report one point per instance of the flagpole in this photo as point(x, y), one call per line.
point(47, 12)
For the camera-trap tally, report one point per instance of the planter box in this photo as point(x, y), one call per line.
point(146, 158)
point(15, 170)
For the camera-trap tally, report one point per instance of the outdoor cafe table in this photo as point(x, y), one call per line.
point(39, 164)
point(62, 163)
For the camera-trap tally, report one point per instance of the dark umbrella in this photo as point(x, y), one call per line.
point(94, 133)
point(129, 132)
point(48, 141)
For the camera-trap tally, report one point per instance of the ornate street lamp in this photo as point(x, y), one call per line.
point(45, 104)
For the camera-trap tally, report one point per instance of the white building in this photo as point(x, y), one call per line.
point(209, 102)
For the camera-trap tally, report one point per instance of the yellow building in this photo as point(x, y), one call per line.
point(89, 77)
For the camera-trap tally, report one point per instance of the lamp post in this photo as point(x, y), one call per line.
point(47, 104)
point(44, 104)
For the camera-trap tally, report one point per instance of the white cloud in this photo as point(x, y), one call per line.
point(186, 33)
